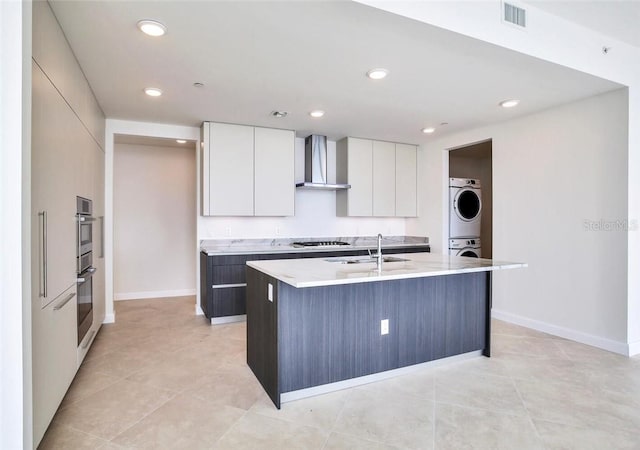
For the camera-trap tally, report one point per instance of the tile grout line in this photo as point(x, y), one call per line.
point(531, 421)
point(175, 394)
point(231, 427)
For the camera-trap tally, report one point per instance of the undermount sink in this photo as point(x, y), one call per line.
point(362, 260)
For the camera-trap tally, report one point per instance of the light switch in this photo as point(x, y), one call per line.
point(270, 292)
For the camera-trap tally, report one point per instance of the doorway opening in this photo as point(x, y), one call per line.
point(154, 217)
point(473, 162)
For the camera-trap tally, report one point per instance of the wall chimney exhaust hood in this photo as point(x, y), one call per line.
point(315, 165)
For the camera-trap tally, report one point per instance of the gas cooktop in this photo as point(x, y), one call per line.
point(319, 243)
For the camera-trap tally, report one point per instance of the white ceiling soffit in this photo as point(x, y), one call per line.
point(151, 141)
point(617, 19)
point(256, 57)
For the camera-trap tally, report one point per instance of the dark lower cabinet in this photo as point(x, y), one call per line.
point(223, 277)
point(308, 337)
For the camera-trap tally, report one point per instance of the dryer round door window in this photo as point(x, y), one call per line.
point(469, 253)
point(467, 205)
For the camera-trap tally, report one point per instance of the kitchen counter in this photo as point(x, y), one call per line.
point(285, 245)
point(330, 271)
point(316, 325)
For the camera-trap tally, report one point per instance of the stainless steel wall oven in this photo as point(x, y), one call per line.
point(84, 266)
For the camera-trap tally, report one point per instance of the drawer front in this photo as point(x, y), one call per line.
point(229, 301)
point(232, 274)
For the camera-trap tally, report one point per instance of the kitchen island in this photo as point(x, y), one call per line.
point(322, 324)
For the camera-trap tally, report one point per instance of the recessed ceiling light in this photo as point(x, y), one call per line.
point(181, 141)
point(428, 130)
point(153, 92)
point(279, 114)
point(316, 113)
point(509, 103)
point(152, 28)
point(377, 74)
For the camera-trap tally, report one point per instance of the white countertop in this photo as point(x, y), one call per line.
point(227, 247)
point(312, 272)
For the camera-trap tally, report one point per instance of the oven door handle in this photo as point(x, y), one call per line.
point(86, 218)
point(86, 275)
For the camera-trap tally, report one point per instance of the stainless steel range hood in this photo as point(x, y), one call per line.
point(315, 165)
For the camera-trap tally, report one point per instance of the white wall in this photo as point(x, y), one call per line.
point(154, 217)
point(15, 212)
point(557, 40)
point(552, 172)
point(315, 214)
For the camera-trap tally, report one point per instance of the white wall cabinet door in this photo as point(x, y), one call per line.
point(274, 172)
point(354, 157)
point(384, 179)
point(406, 180)
point(231, 166)
point(53, 192)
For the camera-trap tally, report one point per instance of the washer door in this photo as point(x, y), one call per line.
point(467, 204)
point(469, 252)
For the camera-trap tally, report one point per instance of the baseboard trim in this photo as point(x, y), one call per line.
point(290, 396)
point(634, 348)
point(109, 318)
point(153, 294)
point(228, 319)
point(621, 348)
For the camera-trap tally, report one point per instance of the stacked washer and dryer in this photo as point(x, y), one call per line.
point(465, 211)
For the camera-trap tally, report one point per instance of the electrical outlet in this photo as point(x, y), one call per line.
point(277, 231)
point(270, 292)
point(384, 326)
point(228, 231)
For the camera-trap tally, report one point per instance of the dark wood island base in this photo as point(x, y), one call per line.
point(307, 337)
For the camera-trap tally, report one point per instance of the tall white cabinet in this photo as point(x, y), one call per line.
point(382, 175)
point(247, 171)
point(66, 161)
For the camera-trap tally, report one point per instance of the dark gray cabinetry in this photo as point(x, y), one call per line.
point(223, 277)
point(313, 336)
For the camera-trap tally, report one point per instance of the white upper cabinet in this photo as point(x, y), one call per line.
point(382, 176)
point(231, 170)
point(274, 191)
point(406, 180)
point(354, 158)
point(247, 171)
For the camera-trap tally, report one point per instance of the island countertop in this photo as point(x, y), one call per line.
point(315, 272)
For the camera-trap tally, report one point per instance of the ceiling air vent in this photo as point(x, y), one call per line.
point(514, 15)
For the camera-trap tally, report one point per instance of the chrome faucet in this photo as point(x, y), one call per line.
point(378, 255)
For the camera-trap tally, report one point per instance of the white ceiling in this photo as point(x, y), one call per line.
point(615, 18)
point(255, 57)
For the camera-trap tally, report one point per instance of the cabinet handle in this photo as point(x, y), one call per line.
point(60, 305)
point(43, 275)
point(101, 237)
point(86, 342)
point(224, 286)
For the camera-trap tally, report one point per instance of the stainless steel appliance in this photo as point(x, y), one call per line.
point(319, 244)
point(315, 165)
point(84, 268)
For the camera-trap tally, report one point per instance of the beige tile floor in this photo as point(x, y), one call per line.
point(162, 378)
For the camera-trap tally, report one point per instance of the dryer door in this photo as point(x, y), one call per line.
point(467, 204)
